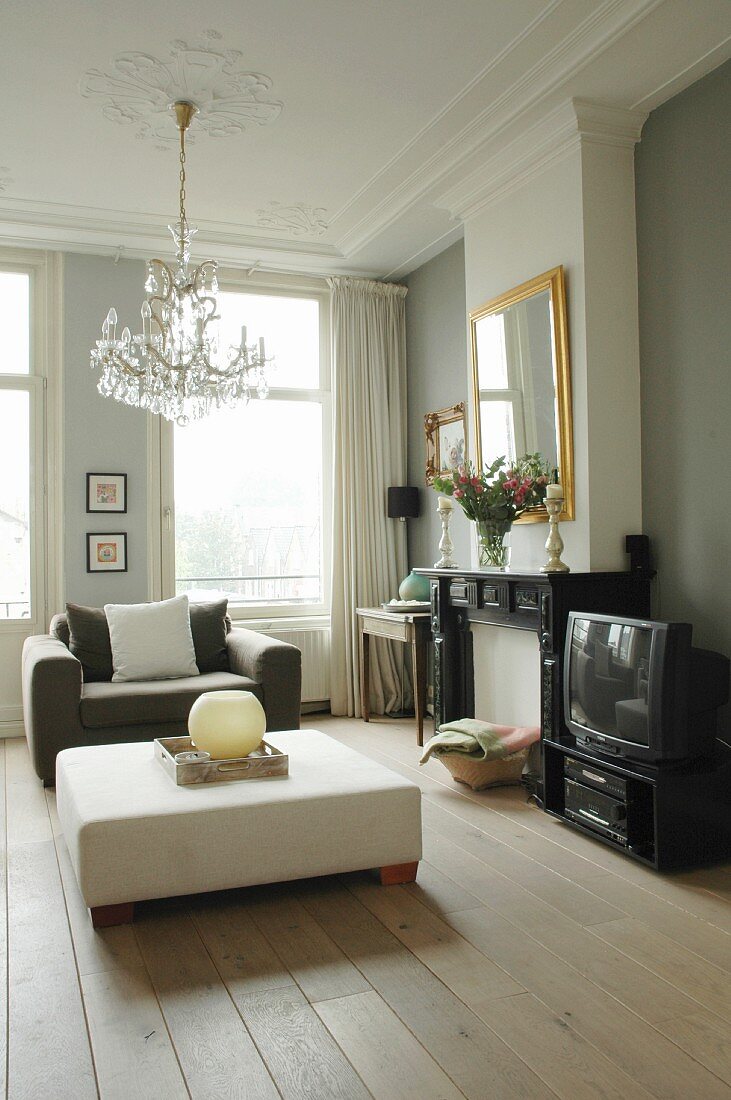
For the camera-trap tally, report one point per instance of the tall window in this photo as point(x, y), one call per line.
point(21, 451)
point(251, 484)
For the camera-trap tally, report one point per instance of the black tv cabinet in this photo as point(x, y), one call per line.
point(677, 815)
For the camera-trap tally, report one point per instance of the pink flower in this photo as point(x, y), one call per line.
point(464, 480)
point(512, 484)
point(458, 493)
point(519, 497)
point(479, 488)
point(476, 481)
point(526, 483)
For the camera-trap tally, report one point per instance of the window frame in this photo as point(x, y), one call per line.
point(42, 385)
point(161, 435)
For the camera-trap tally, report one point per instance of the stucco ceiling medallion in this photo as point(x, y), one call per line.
point(299, 219)
point(139, 89)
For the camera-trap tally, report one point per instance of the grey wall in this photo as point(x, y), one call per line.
point(683, 170)
point(101, 435)
point(436, 339)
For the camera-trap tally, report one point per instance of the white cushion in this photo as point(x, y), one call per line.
point(151, 641)
point(133, 834)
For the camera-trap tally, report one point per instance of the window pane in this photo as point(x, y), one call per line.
point(15, 322)
point(497, 430)
point(14, 505)
point(491, 352)
point(290, 327)
point(248, 504)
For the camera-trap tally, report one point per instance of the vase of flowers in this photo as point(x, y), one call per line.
point(494, 498)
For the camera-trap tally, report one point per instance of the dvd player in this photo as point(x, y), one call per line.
point(596, 810)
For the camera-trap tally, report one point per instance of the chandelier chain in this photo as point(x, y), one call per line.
point(182, 180)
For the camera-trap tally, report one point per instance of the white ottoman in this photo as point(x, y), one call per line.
point(133, 834)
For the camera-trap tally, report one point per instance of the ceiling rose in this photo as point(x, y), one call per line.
point(140, 88)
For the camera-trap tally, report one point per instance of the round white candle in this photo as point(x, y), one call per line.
point(554, 492)
point(446, 502)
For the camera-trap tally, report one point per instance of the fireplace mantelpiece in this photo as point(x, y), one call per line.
point(539, 602)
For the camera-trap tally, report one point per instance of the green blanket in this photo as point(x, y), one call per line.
point(475, 739)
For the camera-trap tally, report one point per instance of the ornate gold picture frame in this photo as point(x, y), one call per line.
point(446, 440)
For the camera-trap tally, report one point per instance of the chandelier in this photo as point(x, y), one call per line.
point(173, 367)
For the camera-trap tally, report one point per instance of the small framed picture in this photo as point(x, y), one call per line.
point(446, 440)
point(106, 492)
point(106, 553)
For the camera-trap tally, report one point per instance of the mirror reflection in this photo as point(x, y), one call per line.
point(522, 391)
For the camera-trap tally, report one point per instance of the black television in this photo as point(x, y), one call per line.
point(639, 689)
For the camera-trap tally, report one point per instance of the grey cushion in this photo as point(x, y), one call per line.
point(153, 701)
point(87, 627)
point(89, 641)
point(209, 624)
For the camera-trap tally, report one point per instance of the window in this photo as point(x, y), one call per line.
point(21, 452)
point(251, 484)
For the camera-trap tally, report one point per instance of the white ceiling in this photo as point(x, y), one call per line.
point(371, 112)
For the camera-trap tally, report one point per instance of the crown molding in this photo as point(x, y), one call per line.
point(587, 41)
point(61, 227)
point(574, 123)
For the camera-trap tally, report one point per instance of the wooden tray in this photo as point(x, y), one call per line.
point(262, 762)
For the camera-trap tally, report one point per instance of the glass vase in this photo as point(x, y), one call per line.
point(493, 543)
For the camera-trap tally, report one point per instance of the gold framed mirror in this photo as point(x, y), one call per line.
point(522, 380)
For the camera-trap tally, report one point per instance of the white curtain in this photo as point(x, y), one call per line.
point(369, 454)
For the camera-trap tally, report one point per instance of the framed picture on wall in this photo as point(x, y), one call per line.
point(446, 440)
point(106, 492)
point(106, 553)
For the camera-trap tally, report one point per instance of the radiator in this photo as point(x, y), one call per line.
point(315, 647)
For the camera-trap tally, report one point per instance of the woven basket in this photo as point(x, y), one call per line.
point(479, 774)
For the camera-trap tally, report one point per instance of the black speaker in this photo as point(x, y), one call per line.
point(638, 548)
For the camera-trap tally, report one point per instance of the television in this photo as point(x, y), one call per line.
point(640, 690)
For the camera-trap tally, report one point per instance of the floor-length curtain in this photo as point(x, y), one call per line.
point(369, 454)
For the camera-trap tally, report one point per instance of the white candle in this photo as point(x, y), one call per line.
point(554, 492)
point(446, 502)
point(243, 336)
point(262, 356)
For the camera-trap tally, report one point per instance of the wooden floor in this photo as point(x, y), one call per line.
point(527, 962)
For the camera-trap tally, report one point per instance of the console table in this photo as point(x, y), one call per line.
point(539, 602)
point(412, 628)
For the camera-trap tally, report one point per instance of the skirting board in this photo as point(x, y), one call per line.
point(11, 729)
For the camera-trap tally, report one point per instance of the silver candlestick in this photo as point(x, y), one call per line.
point(554, 542)
point(446, 546)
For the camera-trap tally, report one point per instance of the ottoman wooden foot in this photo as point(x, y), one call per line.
point(104, 916)
point(399, 873)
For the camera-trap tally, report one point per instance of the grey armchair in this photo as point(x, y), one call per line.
point(61, 711)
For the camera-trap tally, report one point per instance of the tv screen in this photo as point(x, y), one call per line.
point(637, 688)
point(608, 678)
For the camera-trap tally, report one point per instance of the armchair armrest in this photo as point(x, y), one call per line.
point(277, 666)
point(51, 680)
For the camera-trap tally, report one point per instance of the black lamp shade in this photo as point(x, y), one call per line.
point(403, 502)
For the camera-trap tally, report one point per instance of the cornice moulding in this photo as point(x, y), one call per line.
point(142, 236)
point(597, 32)
point(562, 131)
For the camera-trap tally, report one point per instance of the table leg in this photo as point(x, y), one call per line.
point(398, 873)
point(419, 666)
point(104, 916)
point(365, 675)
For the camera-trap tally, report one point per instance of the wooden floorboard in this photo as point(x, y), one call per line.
point(49, 1053)
point(526, 961)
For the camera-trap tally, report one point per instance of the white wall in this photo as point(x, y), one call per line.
point(579, 212)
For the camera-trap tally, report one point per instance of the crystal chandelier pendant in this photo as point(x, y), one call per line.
point(173, 367)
